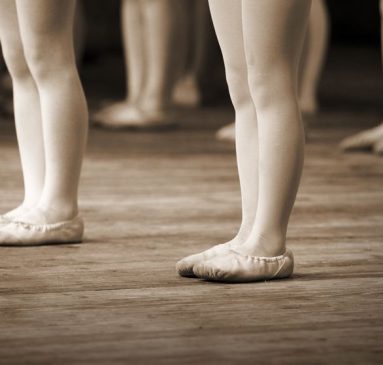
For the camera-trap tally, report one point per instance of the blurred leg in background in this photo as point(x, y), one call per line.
point(371, 139)
point(313, 57)
point(148, 28)
point(195, 14)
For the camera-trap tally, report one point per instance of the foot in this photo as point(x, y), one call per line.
point(364, 140)
point(226, 133)
point(116, 111)
point(125, 116)
point(13, 214)
point(26, 234)
point(234, 267)
point(378, 147)
point(186, 92)
point(41, 215)
point(185, 266)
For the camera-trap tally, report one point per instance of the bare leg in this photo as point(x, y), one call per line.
point(46, 28)
point(26, 109)
point(187, 89)
point(135, 62)
point(134, 52)
point(311, 64)
point(231, 40)
point(274, 31)
point(158, 20)
point(313, 56)
point(153, 96)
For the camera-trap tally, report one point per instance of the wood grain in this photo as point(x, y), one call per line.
point(151, 198)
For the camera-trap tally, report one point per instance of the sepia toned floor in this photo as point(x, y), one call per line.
point(149, 199)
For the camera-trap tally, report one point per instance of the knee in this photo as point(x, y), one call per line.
point(238, 86)
point(45, 60)
point(271, 86)
point(14, 58)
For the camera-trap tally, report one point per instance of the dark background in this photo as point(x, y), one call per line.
point(352, 21)
point(351, 78)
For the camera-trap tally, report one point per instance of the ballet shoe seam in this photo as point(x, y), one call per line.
point(262, 258)
point(45, 227)
point(280, 268)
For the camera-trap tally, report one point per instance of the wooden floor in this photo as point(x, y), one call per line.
point(148, 200)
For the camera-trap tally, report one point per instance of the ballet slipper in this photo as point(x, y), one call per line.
point(226, 133)
point(137, 119)
point(186, 92)
point(24, 234)
point(7, 218)
point(115, 113)
point(185, 266)
point(153, 120)
point(4, 220)
point(234, 267)
point(362, 140)
point(378, 147)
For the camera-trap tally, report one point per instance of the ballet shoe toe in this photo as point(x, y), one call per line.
point(378, 147)
point(27, 234)
point(8, 238)
point(184, 267)
point(237, 268)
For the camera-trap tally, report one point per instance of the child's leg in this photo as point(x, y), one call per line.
point(46, 28)
point(187, 91)
point(118, 113)
point(313, 56)
point(158, 22)
point(26, 108)
point(134, 48)
point(227, 19)
point(274, 31)
point(184, 91)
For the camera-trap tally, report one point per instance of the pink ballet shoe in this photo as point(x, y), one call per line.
point(4, 220)
point(185, 266)
point(378, 147)
point(363, 140)
point(26, 234)
point(234, 267)
point(226, 133)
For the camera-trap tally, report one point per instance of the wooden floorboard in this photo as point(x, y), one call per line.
point(149, 199)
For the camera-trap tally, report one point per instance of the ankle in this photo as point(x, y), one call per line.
point(16, 212)
point(58, 211)
point(243, 233)
point(265, 244)
point(154, 105)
